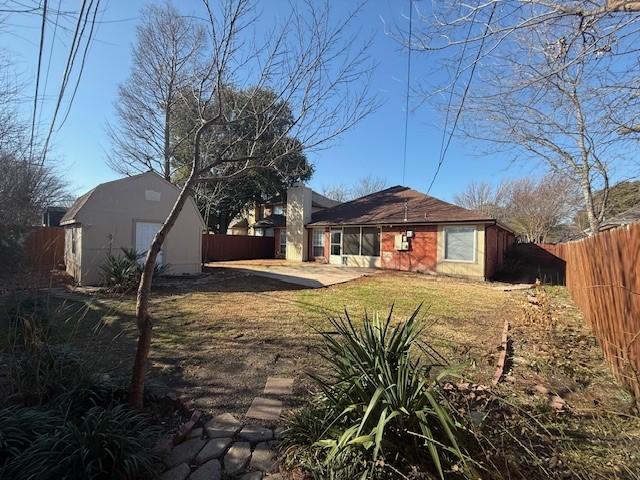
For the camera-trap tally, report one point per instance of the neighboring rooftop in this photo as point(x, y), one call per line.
point(396, 205)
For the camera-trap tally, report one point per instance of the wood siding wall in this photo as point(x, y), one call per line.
point(218, 247)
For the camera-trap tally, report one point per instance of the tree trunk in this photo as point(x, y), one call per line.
point(587, 193)
point(143, 319)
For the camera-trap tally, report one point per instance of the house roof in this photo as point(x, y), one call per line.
point(70, 216)
point(628, 216)
point(270, 221)
point(396, 205)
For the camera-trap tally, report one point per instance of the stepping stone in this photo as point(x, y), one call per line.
point(263, 458)
point(209, 471)
point(213, 449)
point(265, 409)
point(225, 425)
point(252, 476)
point(256, 433)
point(195, 433)
point(176, 473)
point(185, 452)
point(278, 386)
point(237, 457)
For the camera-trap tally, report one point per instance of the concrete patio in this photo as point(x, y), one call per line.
point(306, 274)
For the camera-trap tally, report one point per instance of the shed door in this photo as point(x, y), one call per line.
point(145, 231)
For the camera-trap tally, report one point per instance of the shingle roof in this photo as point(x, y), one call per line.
point(396, 205)
point(269, 221)
point(70, 216)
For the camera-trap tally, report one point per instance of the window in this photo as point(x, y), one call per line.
point(278, 210)
point(370, 242)
point(460, 244)
point(351, 241)
point(74, 240)
point(318, 242)
point(283, 241)
point(336, 242)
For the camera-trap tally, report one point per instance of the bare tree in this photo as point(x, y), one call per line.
point(533, 208)
point(485, 198)
point(541, 79)
point(166, 57)
point(315, 69)
point(338, 192)
point(365, 186)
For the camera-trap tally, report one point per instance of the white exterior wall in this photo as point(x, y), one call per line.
point(298, 215)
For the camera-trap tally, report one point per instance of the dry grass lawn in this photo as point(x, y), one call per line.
point(218, 338)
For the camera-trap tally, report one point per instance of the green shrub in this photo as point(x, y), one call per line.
point(104, 443)
point(121, 273)
point(41, 371)
point(379, 407)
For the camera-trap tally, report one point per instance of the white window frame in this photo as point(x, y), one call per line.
point(445, 231)
point(313, 241)
point(277, 208)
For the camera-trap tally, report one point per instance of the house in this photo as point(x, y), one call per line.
point(396, 228)
point(52, 216)
point(269, 220)
point(127, 213)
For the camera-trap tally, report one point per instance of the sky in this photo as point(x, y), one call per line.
point(374, 147)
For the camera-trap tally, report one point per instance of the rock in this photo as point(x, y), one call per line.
point(278, 433)
point(213, 449)
point(237, 457)
point(185, 452)
point(542, 389)
point(179, 472)
point(256, 433)
point(252, 476)
point(164, 446)
point(183, 432)
point(265, 409)
point(263, 457)
point(278, 386)
point(195, 433)
point(225, 425)
point(209, 471)
point(557, 402)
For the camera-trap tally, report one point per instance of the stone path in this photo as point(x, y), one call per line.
point(227, 448)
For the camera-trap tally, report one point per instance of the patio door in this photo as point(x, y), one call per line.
point(335, 255)
point(145, 231)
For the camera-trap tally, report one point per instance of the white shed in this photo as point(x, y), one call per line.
point(127, 213)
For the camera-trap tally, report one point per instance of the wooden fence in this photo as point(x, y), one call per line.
point(44, 248)
point(217, 247)
point(603, 277)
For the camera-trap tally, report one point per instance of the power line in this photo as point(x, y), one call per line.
point(406, 111)
point(35, 98)
point(53, 42)
point(464, 96)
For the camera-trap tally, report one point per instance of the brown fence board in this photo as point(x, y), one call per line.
point(44, 247)
point(603, 277)
point(218, 247)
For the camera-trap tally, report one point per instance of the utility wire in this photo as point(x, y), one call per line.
point(464, 96)
point(35, 98)
point(53, 42)
point(406, 108)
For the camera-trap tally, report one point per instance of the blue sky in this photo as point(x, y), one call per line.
point(374, 147)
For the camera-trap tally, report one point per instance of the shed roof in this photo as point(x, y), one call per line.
point(70, 217)
point(396, 205)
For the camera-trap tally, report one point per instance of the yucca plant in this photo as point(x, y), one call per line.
point(121, 273)
point(383, 402)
